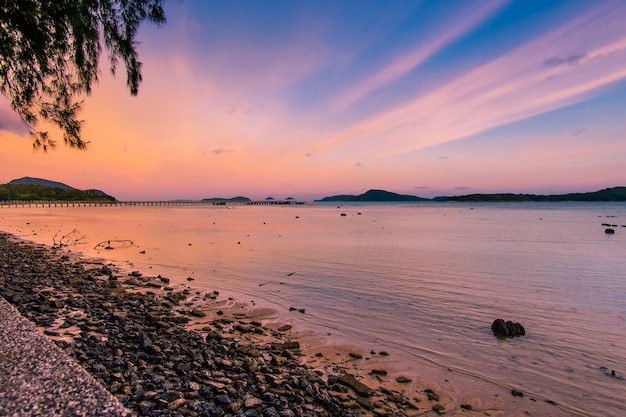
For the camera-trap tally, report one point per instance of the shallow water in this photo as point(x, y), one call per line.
point(423, 282)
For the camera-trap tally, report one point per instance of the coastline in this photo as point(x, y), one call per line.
point(175, 351)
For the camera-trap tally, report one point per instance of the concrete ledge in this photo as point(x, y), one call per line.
point(38, 379)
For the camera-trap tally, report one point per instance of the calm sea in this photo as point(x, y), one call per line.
point(420, 281)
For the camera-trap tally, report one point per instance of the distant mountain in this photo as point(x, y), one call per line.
point(217, 199)
point(607, 194)
point(37, 189)
point(375, 195)
point(40, 181)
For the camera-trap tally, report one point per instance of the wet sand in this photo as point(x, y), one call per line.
point(252, 361)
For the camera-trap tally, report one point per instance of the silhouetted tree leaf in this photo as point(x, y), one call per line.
point(49, 52)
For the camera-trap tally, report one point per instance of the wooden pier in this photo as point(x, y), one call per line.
point(51, 204)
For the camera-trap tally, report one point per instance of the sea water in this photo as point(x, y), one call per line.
point(421, 281)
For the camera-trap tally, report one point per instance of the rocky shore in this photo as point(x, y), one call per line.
point(163, 354)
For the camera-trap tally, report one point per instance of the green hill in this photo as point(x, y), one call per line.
point(218, 199)
point(40, 181)
point(36, 189)
point(375, 195)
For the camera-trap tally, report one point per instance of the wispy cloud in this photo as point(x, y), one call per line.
point(512, 87)
point(555, 61)
point(9, 120)
point(240, 107)
point(243, 102)
point(421, 52)
point(222, 150)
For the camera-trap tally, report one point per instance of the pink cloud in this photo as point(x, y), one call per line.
point(9, 120)
point(416, 56)
point(512, 87)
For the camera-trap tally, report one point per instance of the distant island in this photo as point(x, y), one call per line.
point(375, 195)
point(608, 194)
point(225, 200)
point(37, 189)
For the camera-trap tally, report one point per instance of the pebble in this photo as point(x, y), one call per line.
point(136, 345)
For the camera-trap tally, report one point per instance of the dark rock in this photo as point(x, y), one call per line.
point(286, 345)
point(177, 319)
point(170, 396)
point(503, 329)
point(359, 388)
point(612, 373)
point(145, 407)
point(135, 344)
point(213, 336)
point(278, 360)
point(378, 372)
point(176, 404)
point(98, 367)
point(56, 303)
point(432, 395)
point(223, 399)
point(196, 312)
point(120, 315)
point(609, 231)
point(517, 393)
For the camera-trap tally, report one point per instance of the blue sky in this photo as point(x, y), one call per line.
point(316, 98)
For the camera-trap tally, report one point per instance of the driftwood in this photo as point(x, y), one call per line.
point(72, 238)
point(113, 244)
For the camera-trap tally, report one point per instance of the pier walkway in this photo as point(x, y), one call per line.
point(45, 204)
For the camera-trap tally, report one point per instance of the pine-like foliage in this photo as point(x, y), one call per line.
point(49, 52)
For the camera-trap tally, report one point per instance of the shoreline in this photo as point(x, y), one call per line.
point(165, 350)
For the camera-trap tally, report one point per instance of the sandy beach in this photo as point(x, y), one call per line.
point(169, 350)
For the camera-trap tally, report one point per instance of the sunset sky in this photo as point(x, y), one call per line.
point(315, 98)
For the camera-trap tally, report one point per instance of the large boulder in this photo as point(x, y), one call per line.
point(501, 328)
